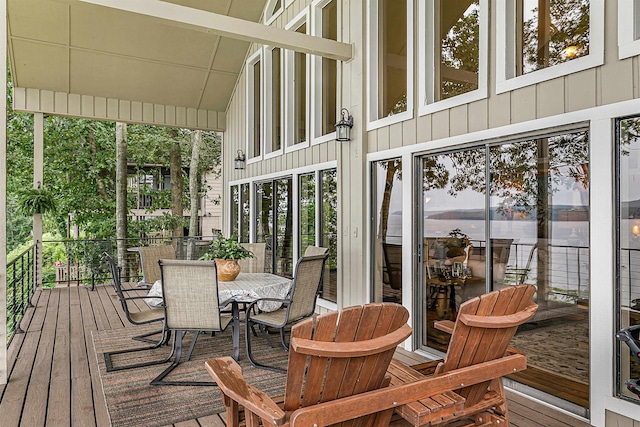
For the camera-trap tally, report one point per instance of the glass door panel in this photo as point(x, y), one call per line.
point(264, 220)
point(329, 232)
point(283, 260)
point(387, 247)
point(539, 229)
point(453, 210)
point(628, 292)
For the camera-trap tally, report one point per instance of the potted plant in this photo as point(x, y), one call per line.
point(227, 252)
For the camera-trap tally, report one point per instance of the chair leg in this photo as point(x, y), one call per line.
point(248, 328)
point(143, 337)
point(109, 363)
point(177, 346)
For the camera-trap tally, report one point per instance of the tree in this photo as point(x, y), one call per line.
point(193, 183)
point(122, 211)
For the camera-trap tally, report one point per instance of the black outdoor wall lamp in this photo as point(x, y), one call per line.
point(343, 127)
point(239, 160)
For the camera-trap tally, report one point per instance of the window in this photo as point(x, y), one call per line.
point(545, 39)
point(628, 286)
point(453, 53)
point(275, 98)
point(300, 93)
point(628, 28)
point(254, 106)
point(329, 232)
point(307, 211)
point(239, 212)
point(272, 10)
point(325, 72)
point(390, 66)
point(297, 89)
point(387, 247)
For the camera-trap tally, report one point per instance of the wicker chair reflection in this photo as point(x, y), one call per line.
point(135, 317)
point(149, 256)
point(300, 304)
point(190, 291)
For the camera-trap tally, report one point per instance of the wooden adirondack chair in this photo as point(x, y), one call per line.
point(480, 337)
point(332, 356)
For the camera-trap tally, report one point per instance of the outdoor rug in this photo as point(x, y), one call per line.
point(132, 402)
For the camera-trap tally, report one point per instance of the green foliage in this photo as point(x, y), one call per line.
point(223, 248)
point(32, 201)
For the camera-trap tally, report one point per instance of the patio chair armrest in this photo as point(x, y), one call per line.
point(143, 297)
point(255, 302)
point(228, 375)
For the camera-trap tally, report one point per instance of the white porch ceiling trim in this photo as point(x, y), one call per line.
point(231, 27)
point(98, 108)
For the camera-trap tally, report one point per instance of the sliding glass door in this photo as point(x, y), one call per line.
point(510, 213)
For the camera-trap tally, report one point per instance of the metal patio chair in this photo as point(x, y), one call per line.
point(190, 292)
point(300, 304)
point(135, 317)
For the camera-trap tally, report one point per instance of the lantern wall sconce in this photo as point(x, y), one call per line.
point(343, 127)
point(239, 160)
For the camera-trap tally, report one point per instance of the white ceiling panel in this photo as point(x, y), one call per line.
point(124, 78)
point(218, 90)
point(42, 66)
point(39, 20)
point(108, 30)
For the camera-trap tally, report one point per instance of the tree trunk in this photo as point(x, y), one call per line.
point(194, 182)
point(175, 163)
point(121, 192)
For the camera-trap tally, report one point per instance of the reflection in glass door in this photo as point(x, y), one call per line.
point(387, 247)
point(274, 223)
point(509, 214)
point(454, 221)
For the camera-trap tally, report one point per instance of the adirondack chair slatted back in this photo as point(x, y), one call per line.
point(483, 330)
point(317, 379)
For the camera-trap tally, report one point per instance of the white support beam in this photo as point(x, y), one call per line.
point(234, 28)
point(3, 194)
point(38, 180)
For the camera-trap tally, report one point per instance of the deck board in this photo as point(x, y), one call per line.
point(54, 379)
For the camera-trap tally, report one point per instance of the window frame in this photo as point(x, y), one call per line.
point(506, 79)
point(628, 45)
point(250, 108)
point(373, 121)
point(271, 14)
point(268, 112)
point(289, 88)
point(426, 61)
point(316, 75)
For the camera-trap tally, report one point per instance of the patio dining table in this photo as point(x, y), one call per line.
point(246, 288)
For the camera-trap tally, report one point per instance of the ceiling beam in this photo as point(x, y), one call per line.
point(227, 26)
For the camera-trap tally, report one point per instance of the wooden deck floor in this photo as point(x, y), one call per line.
point(53, 373)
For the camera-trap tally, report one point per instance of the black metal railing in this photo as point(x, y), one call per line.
point(80, 262)
point(20, 289)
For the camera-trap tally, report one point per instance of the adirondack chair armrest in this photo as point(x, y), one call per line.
point(351, 349)
point(506, 321)
point(228, 375)
point(348, 408)
point(444, 326)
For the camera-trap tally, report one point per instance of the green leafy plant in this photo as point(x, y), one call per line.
point(32, 201)
point(227, 248)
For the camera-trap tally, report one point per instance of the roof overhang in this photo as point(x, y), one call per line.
point(160, 62)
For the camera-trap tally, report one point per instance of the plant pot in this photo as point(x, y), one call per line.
point(228, 269)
